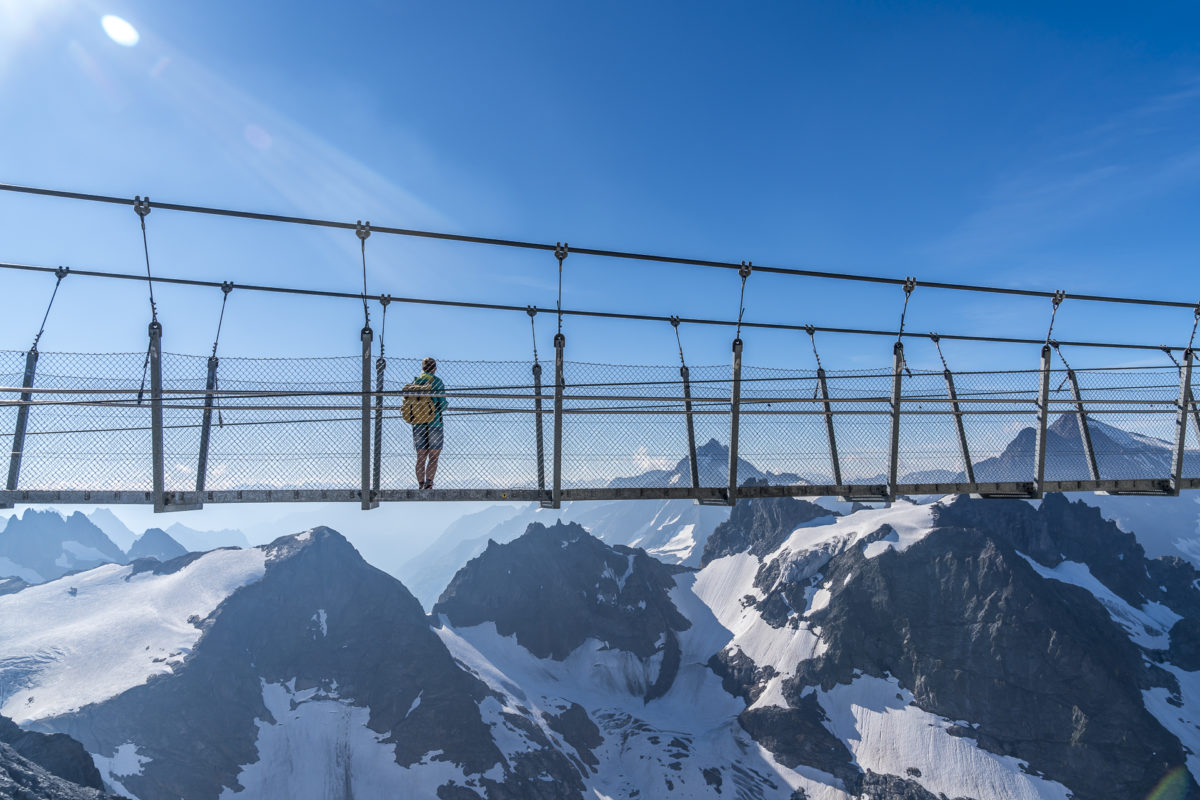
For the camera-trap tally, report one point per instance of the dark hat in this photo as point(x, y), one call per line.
point(429, 365)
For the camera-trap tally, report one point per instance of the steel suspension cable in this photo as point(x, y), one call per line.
point(579, 312)
point(1056, 301)
point(937, 342)
point(678, 341)
point(363, 230)
point(532, 312)
point(59, 274)
point(604, 253)
point(142, 208)
point(744, 272)
point(909, 285)
point(561, 251)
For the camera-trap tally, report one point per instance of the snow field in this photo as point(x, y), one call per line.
point(85, 638)
point(887, 734)
point(319, 747)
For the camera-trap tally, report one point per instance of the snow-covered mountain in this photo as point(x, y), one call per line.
point(157, 544)
point(42, 545)
point(1119, 454)
point(673, 531)
point(292, 670)
point(113, 527)
point(712, 463)
point(964, 649)
point(191, 539)
point(195, 541)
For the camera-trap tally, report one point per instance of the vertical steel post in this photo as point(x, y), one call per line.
point(18, 443)
point(1195, 413)
point(368, 501)
point(210, 387)
point(685, 374)
point(560, 342)
point(1085, 436)
point(968, 467)
point(735, 410)
point(1043, 410)
point(380, 368)
point(539, 434)
point(833, 453)
point(158, 458)
point(1181, 422)
point(894, 451)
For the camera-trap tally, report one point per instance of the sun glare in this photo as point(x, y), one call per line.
point(119, 30)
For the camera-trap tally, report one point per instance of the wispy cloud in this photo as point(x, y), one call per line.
point(1129, 158)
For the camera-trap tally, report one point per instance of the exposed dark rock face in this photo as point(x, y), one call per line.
point(797, 736)
point(758, 527)
point(11, 585)
point(894, 787)
point(58, 754)
point(556, 587)
point(739, 675)
point(24, 779)
point(156, 543)
point(44, 545)
point(578, 730)
point(321, 618)
point(967, 624)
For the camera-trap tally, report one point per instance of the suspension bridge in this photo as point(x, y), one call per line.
point(179, 431)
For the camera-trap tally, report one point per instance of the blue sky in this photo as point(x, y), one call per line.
point(1010, 144)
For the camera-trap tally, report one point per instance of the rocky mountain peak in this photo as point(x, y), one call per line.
point(1032, 623)
point(156, 543)
point(40, 546)
point(556, 587)
point(760, 526)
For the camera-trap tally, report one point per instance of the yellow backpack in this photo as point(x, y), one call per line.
point(417, 406)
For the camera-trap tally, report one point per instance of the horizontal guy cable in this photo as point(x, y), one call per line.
point(619, 254)
point(584, 313)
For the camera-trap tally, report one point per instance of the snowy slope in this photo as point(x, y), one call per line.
point(686, 744)
point(317, 745)
point(88, 637)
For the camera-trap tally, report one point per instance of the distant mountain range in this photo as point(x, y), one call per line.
point(38, 546)
point(991, 650)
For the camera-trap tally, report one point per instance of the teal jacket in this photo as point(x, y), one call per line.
point(439, 401)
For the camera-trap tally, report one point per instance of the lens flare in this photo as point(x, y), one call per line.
point(119, 30)
point(1173, 786)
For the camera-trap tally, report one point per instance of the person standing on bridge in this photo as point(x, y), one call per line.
point(424, 402)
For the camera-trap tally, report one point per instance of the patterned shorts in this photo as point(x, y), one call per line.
point(427, 437)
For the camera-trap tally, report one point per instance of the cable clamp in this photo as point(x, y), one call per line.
point(674, 320)
point(561, 251)
point(226, 287)
point(384, 299)
point(62, 272)
point(935, 338)
point(141, 206)
point(531, 311)
point(810, 329)
point(1198, 309)
point(362, 229)
point(745, 269)
point(910, 283)
point(1060, 295)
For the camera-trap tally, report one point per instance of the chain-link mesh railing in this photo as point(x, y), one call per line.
point(296, 424)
